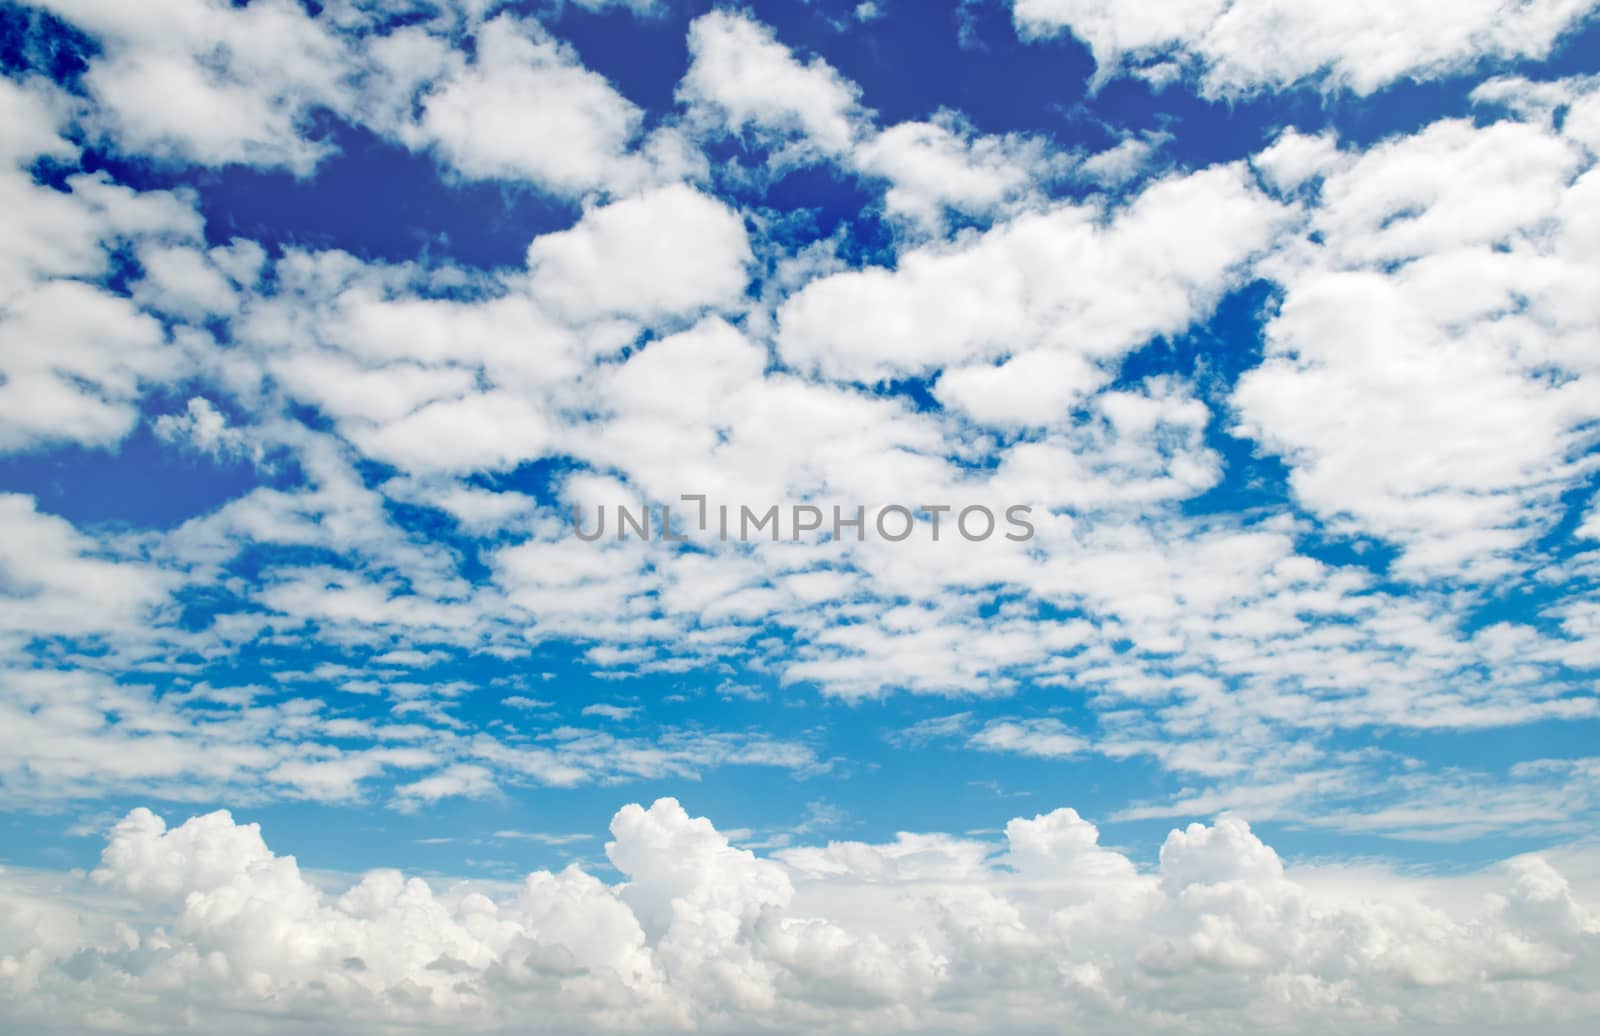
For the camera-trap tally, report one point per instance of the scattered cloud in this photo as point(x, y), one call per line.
point(1244, 46)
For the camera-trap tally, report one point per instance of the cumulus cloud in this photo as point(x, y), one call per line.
point(54, 580)
point(1062, 279)
point(944, 165)
point(204, 428)
point(527, 110)
point(1244, 46)
point(667, 253)
point(195, 284)
point(1044, 930)
point(1436, 311)
point(75, 358)
point(742, 78)
point(212, 82)
point(743, 81)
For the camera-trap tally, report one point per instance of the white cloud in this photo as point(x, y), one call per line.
point(211, 82)
point(462, 780)
point(54, 580)
point(741, 78)
point(1066, 279)
point(478, 511)
point(204, 428)
point(74, 358)
point(743, 81)
point(616, 712)
point(193, 284)
point(665, 254)
point(542, 837)
point(1242, 46)
point(526, 109)
point(1043, 738)
point(1590, 528)
point(488, 431)
point(1295, 158)
point(216, 83)
point(1036, 388)
point(1122, 163)
point(1043, 931)
point(1440, 314)
point(943, 164)
point(1112, 30)
point(78, 734)
point(31, 115)
point(76, 363)
point(87, 727)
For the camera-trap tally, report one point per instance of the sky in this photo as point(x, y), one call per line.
point(1268, 334)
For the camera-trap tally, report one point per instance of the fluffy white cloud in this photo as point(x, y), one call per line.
point(1035, 388)
point(743, 81)
point(1590, 529)
point(942, 164)
point(54, 580)
point(444, 387)
point(1242, 46)
point(212, 82)
point(741, 78)
point(217, 83)
point(74, 358)
point(1112, 30)
point(1068, 279)
point(206, 429)
point(527, 110)
point(1430, 375)
point(76, 362)
point(1295, 159)
point(489, 431)
point(1045, 931)
point(667, 253)
point(1044, 738)
point(194, 284)
point(1120, 164)
point(32, 113)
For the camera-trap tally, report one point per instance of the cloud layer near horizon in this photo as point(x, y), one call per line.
point(203, 926)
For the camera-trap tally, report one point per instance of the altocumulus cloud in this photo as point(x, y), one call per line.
point(318, 320)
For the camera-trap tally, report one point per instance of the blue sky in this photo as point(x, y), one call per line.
point(319, 319)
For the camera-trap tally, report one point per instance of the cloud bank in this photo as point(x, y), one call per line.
point(1041, 930)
